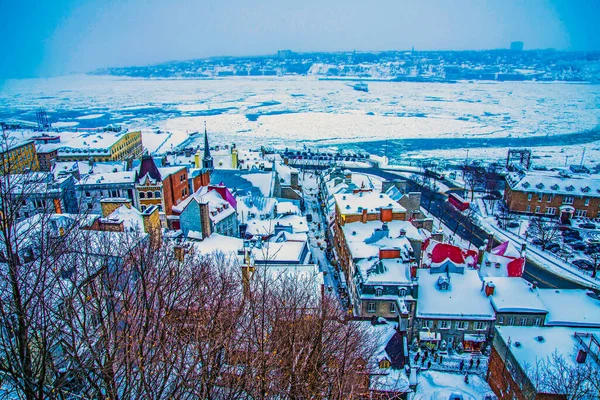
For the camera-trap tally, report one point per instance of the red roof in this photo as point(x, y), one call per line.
point(441, 252)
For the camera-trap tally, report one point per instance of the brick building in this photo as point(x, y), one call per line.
point(563, 195)
point(162, 187)
point(522, 354)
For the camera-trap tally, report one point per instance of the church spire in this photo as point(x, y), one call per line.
point(207, 161)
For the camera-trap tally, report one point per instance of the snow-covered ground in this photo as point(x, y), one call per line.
point(435, 385)
point(287, 111)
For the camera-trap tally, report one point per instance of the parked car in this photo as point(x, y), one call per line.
point(512, 224)
point(571, 240)
point(572, 233)
point(578, 246)
point(592, 249)
point(583, 264)
point(588, 225)
point(553, 247)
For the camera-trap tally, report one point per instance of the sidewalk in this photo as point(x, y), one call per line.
point(543, 259)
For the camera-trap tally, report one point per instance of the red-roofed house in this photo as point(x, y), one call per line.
point(446, 257)
point(505, 260)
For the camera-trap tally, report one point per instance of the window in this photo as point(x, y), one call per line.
point(149, 195)
point(402, 292)
point(378, 292)
point(528, 209)
point(182, 178)
point(523, 322)
point(568, 200)
point(384, 364)
point(157, 194)
point(537, 210)
point(550, 210)
point(511, 321)
point(480, 326)
point(142, 195)
point(392, 307)
point(443, 324)
point(529, 196)
point(581, 213)
point(183, 193)
point(537, 321)
point(586, 202)
point(462, 325)
point(428, 324)
point(549, 198)
point(501, 320)
point(371, 307)
point(160, 208)
point(540, 197)
point(143, 208)
point(88, 194)
point(114, 193)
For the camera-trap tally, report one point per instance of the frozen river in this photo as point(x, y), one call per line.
point(419, 120)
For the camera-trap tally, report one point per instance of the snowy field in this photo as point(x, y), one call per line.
point(292, 111)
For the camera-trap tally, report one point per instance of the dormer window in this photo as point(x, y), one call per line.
point(554, 187)
point(525, 185)
point(378, 291)
point(540, 185)
point(443, 283)
point(402, 292)
point(585, 189)
point(570, 188)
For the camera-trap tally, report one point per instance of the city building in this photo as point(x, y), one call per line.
point(516, 302)
point(529, 362)
point(92, 145)
point(211, 209)
point(163, 187)
point(18, 157)
point(452, 306)
point(564, 195)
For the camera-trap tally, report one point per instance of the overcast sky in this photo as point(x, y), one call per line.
point(54, 37)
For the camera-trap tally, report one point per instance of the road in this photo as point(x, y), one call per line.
point(437, 205)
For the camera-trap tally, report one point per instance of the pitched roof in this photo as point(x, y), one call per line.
point(148, 167)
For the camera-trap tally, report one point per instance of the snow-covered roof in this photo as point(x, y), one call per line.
point(358, 231)
point(390, 271)
point(437, 253)
point(463, 300)
point(531, 344)
point(131, 217)
point(107, 178)
point(355, 203)
point(281, 252)
point(285, 172)
point(263, 181)
point(551, 182)
point(250, 207)
point(266, 227)
point(515, 295)
point(218, 243)
point(219, 208)
point(570, 307)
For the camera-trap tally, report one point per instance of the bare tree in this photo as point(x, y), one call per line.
point(544, 230)
point(558, 376)
point(473, 175)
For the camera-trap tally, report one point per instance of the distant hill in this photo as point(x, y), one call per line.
point(436, 66)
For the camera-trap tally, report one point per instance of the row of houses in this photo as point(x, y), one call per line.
point(440, 295)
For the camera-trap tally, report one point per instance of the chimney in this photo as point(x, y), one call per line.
point(109, 205)
point(581, 356)
point(489, 289)
point(152, 226)
point(205, 220)
point(385, 214)
point(363, 217)
point(413, 270)
point(480, 254)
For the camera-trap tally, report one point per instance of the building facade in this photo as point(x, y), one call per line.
point(18, 158)
point(563, 195)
